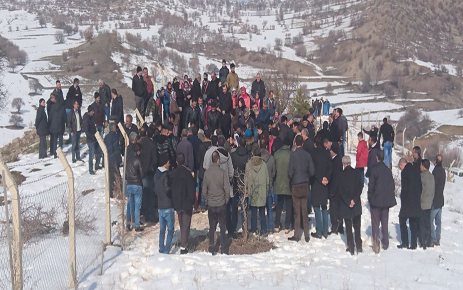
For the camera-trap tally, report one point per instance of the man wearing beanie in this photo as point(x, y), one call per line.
point(140, 90)
point(99, 116)
point(89, 129)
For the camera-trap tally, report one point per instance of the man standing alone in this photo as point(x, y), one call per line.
point(387, 132)
point(140, 90)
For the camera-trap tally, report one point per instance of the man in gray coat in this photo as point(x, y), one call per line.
point(271, 168)
point(427, 197)
point(216, 190)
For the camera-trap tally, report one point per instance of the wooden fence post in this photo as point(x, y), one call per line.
point(413, 142)
point(424, 152)
point(369, 119)
point(361, 122)
point(107, 186)
point(72, 219)
point(140, 118)
point(126, 143)
point(8, 235)
point(403, 140)
point(17, 237)
point(395, 134)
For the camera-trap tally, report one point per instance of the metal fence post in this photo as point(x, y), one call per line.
point(403, 140)
point(395, 134)
point(72, 219)
point(8, 235)
point(369, 119)
point(361, 121)
point(413, 142)
point(17, 238)
point(107, 186)
point(424, 151)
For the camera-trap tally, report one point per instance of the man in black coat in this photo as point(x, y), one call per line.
point(410, 197)
point(149, 163)
point(191, 115)
point(112, 146)
point(240, 157)
point(74, 94)
point(374, 149)
point(183, 197)
point(195, 142)
point(139, 88)
point(56, 123)
point(348, 187)
point(117, 108)
point(213, 89)
point(258, 89)
point(336, 160)
point(105, 93)
point(387, 132)
point(213, 118)
point(225, 107)
point(381, 196)
point(438, 201)
point(223, 72)
point(196, 88)
point(417, 157)
point(277, 142)
point(90, 130)
point(61, 107)
point(320, 181)
point(165, 147)
point(199, 166)
point(41, 125)
point(285, 131)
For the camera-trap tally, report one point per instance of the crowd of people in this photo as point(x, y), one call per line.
point(213, 147)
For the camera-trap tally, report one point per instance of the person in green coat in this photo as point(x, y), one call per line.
point(281, 186)
point(257, 186)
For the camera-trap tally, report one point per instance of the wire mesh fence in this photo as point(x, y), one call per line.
point(45, 229)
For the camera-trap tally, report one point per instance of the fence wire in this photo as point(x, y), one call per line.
point(5, 274)
point(45, 234)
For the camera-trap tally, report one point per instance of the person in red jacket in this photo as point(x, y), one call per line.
point(362, 156)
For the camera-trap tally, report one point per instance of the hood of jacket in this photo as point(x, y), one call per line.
point(224, 156)
point(257, 163)
point(241, 151)
point(265, 155)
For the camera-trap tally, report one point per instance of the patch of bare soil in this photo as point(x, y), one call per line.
point(12, 127)
point(240, 246)
point(88, 191)
point(35, 169)
point(451, 130)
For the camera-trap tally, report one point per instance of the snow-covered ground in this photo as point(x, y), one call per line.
point(320, 264)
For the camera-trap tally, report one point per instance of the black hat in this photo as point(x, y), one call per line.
point(232, 65)
point(163, 158)
point(139, 69)
point(90, 108)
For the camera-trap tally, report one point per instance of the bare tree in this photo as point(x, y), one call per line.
point(88, 34)
point(59, 36)
point(34, 85)
point(17, 103)
point(42, 22)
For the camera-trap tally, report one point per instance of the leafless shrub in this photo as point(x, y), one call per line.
point(59, 36)
point(416, 122)
point(17, 103)
point(88, 34)
point(84, 220)
point(37, 221)
point(34, 85)
point(240, 189)
point(16, 121)
point(460, 113)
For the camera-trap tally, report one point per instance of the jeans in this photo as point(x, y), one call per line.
point(362, 174)
point(75, 146)
point(216, 215)
point(321, 220)
point(100, 129)
point(199, 190)
point(134, 195)
point(343, 147)
point(282, 200)
point(387, 153)
point(270, 210)
point(425, 227)
point(263, 222)
point(107, 112)
point(166, 219)
point(436, 215)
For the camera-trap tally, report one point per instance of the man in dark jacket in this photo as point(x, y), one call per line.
point(285, 131)
point(216, 192)
point(258, 88)
point(41, 125)
point(90, 130)
point(163, 190)
point(381, 196)
point(196, 88)
point(410, 204)
point(199, 165)
point(134, 176)
point(374, 149)
point(387, 132)
point(129, 127)
point(111, 141)
point(60, 110)
point(223, 73)
point(336, 160)
point(139, 88)
point(195, 142)
point(183, 197)
point(213, 118)
point(301, 169)
point(56, 123)
point(308, 143)
point(417, 157)
point(105, 93)
point(75, 126)
point(225, 107)
point(438, 202)
point(186, 149)
point(165, 146)
point(74, 94)
point(99, 116)
point(213, 89)
point(320, 181)
point(149, 161)
point(348, 187)
point(192, 114)
point(117, 108)
point(239, 159)
point(341, 122)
